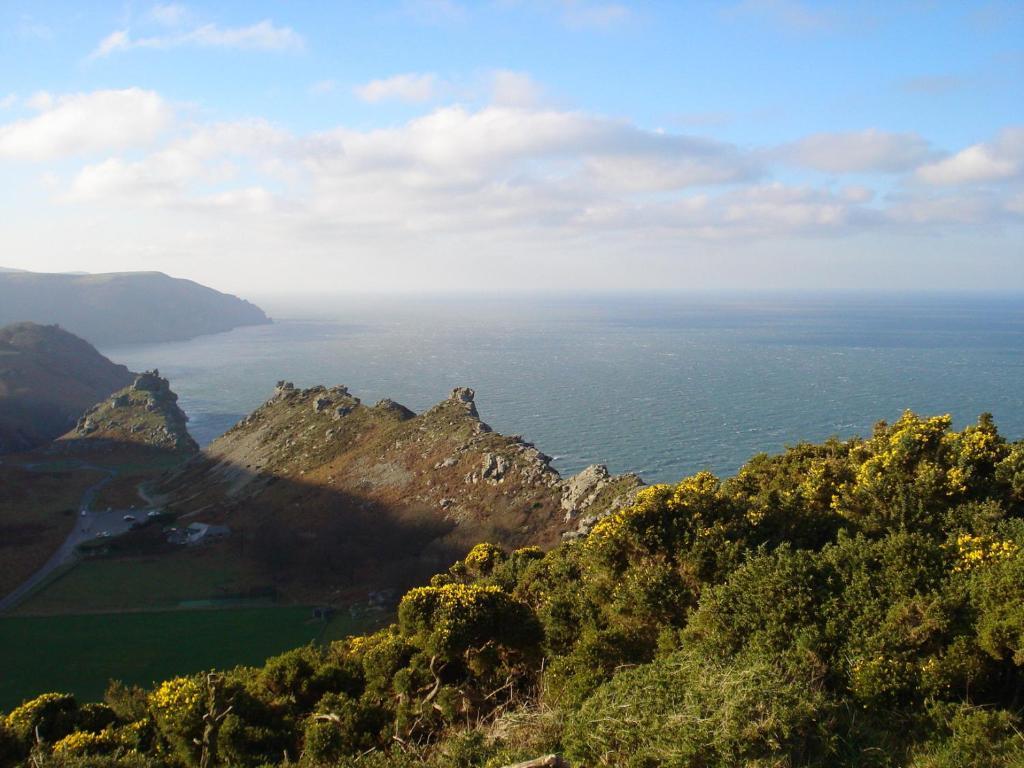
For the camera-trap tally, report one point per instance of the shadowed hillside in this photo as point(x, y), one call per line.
point(123, 307)
point(48, 377)
point(328, 490)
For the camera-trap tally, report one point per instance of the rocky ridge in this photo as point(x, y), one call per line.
point(330, 469)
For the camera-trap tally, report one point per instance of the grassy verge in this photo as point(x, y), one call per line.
point(80, 654)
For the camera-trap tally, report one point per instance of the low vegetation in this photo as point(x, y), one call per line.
point(852, 603)
point(142, 647)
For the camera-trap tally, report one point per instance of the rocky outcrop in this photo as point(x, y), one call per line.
point(594, 494)
point(579, 491)
point(399, 411)
point(145, 413)
point(465, 396)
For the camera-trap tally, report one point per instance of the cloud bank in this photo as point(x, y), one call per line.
point(510, 181)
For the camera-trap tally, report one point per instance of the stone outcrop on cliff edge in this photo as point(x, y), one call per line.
point(145, 413)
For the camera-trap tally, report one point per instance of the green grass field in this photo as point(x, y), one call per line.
point(133, 583)
point(80, 654)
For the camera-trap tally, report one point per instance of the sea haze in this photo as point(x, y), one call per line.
point(661, 386)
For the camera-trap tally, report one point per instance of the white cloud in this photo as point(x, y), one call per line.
point(85, 122)
point(514, 89)
point(117, 40)
point(453, 170)
point(997, 160)
point(411, 88)
point(497, 181)
point(40, 100)
point(948, 209)
point(858, 152)
point(8, 101)
point(208, 155)
point(262, 36)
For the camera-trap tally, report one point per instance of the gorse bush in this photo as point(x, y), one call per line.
point(857, 602)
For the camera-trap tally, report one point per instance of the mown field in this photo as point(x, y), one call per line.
point(141, 583)
point(80, 654)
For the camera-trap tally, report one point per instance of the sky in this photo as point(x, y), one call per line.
point(570, 146)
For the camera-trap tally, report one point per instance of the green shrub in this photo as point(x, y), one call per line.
point(50, 717)
point(450, 620)
point(687, 710)
point(972, 737)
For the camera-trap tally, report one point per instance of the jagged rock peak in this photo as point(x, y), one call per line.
point(464, 396)
point(282, 390)
point(150, 381)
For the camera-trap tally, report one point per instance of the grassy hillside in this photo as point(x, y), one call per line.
point(856, 603)
point(48, 377)
point(123, 307)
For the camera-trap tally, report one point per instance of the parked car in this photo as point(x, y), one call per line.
point(129, 518)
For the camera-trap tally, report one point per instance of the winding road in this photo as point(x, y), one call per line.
point(88, 524)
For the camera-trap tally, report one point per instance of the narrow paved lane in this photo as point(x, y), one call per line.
point(87, 526)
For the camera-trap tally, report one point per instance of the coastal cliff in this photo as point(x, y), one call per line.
point(123, 307)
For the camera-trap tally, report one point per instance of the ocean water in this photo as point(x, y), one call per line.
point(662, 386)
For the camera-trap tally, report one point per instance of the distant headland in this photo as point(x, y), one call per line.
point(118, 308)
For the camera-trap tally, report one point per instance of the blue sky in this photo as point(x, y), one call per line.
point(517, 144)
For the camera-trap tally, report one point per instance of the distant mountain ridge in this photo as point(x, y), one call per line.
point(123, 307)
point(48, 377)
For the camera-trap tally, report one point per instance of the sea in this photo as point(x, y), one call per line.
point(660, 385)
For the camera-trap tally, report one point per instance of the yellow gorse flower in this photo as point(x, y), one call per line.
point(974, 551)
